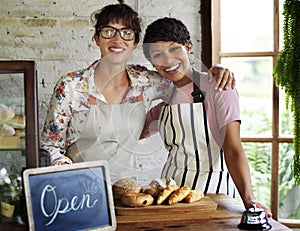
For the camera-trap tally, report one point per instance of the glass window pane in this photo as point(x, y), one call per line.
point(12, 85)
point(258, 155)
point(281, 18)
point(12, 146)
point(286, 127)
point(254, 84)
point(12, 97)
point(289, 200)
point(246, 25)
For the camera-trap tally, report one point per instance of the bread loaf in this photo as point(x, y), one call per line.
point(125, 186)
point(179, 194)
point(137, 199)
point(194, 195)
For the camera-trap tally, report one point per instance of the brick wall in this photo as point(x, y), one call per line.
point(57, 34)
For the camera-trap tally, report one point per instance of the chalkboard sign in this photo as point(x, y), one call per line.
point(70, 197)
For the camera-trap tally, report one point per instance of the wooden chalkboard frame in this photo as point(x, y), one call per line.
point(58, 187)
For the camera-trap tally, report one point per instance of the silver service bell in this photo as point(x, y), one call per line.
point(254, 219)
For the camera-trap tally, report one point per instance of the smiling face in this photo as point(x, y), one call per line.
point(115, 50)
point(171, 60)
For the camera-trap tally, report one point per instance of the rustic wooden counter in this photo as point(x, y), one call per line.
point(226, 217)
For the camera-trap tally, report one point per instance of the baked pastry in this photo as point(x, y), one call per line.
point(6, 113)
point(125, 186)
point(179, 194)
point(18, 122)
point(7, 130)
point(166, 193)
point(194, 195)
point(137, 199)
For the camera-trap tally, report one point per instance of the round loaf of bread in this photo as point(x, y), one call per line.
point(125, 186)
point(137, 199)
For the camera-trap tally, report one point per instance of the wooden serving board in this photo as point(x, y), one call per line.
point(204, 205)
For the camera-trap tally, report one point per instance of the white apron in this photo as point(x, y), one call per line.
point(194, 156)
point(111, 133)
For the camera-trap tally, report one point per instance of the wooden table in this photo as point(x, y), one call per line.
point(226, 217)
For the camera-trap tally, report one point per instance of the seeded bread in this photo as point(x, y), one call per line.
point(125, 186)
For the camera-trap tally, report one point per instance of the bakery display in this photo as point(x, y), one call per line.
point(160, 191)
point(12, 127)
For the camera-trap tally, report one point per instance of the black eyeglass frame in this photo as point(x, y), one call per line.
point(117, 30)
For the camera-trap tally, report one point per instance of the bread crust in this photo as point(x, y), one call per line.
point(137, 199)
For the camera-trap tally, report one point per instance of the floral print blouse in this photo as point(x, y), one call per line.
point(75, 92)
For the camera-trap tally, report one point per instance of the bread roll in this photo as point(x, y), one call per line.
point(166, 193)
point(179, 194)
point(7, 130)
point(18, 122)
point(137, 199)
point(194, 195)
point(124, 186)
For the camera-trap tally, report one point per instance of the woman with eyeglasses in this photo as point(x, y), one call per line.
point(98, 113)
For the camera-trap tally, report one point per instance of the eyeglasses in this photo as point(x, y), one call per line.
point(109, 32)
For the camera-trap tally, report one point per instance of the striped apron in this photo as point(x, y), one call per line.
point(194, 158)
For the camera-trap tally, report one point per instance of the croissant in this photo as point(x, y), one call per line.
point(166, 193)
point(179, 195)
point(194, 195)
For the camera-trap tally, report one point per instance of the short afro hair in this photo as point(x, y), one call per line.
point(166, 30)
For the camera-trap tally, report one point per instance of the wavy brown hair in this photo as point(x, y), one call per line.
point(117, 13)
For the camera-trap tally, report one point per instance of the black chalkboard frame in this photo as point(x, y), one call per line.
point(36, 178)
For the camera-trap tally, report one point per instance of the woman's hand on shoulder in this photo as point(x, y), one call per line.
point(223, 77)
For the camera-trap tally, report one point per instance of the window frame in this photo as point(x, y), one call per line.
point(211, 54)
